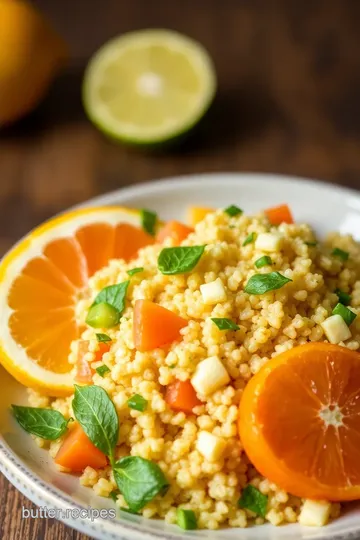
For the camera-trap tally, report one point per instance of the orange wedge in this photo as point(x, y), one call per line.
point(41, 280)
point(299, 421)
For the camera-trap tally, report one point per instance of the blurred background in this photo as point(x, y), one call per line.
point(288, 101)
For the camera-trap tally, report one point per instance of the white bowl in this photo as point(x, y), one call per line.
point(31, 470)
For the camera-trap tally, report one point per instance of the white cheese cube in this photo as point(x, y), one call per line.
point(210, 446)
point(210, 375)
point(213, 292)
point(336, 329)
point(315, 513)
point(268, 242)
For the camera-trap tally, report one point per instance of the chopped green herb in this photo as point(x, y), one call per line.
point(172, 366)
point(186, 519)
point(96, 414)
point(178, 260)
point(114, 295)
point(139, 480)
point(114, 495)
point(44, 423)
point(347, 314)
point(225, 324)
point(102, 315)
point(137, 402)
point(250, 239)
point(311, 244)
point(344, 298)
point(341, 254)
point(134, 271)
point(103, 338)
point(102, 370)
point(263, 283)
point(148, 221)
point(265, 260)
point(233, 211)
point(252, 499)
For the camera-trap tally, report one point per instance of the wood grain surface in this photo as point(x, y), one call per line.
point(288, 102)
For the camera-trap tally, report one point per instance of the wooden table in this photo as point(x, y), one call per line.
point(288, 102)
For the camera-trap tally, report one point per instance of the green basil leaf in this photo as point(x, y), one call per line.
point(340, 253)
point(310, 244)
point(252, 499)
point(233, 211)
point(134, 271)
point(250, 239)
point(186, 519)
point(225, 324)
point(96, 414)
point(139, 480)
point(114, 295)
point(347, 314)
point(114, 495)
point(45, 423)
point(263, 283)
point(148, 221)
point(178, 260)
point(102, 370)
point(265, 260)
point(103, 338)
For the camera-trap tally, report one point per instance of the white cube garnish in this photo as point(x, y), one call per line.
point(210, 375)
point(336, 329)
point(268, 242)
point(315, 513)
point(210, 446)
point(213, 292)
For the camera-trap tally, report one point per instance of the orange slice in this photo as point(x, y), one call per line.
point(41, 280)
point(299, 421)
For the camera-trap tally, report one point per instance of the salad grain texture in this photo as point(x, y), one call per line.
point(200, 454)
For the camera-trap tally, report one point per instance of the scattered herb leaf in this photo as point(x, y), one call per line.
point(225, 324)
point(114, 295)
point(341, 254)
point(265, 260)
point(178, 260)
point(96, 414)
point(114, 495)
point(252, 499)
point(148, 221)
point(137, 402)
point(233, 211)
point(263, 283)
point(250, 239)
point(102, 370)
point(103, 338)
point(311, 244)
point(139, 480)
point(134, 271)
point(347, 314)
point(44, 423)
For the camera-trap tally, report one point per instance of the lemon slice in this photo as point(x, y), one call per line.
point(148, 87)
point(41, 280)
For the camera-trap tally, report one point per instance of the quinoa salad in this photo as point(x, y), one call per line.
point(169, 342)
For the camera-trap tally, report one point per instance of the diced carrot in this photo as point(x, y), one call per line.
point(279, 214)
point(176, 230)
point(84, 372)
point(155, 326)
point(197, 214)
point(181, 396)
point(77, 452)
point(103, 348)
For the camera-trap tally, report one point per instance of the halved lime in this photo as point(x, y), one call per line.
point(148, 87)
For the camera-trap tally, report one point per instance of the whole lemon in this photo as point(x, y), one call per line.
point(31, 54)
